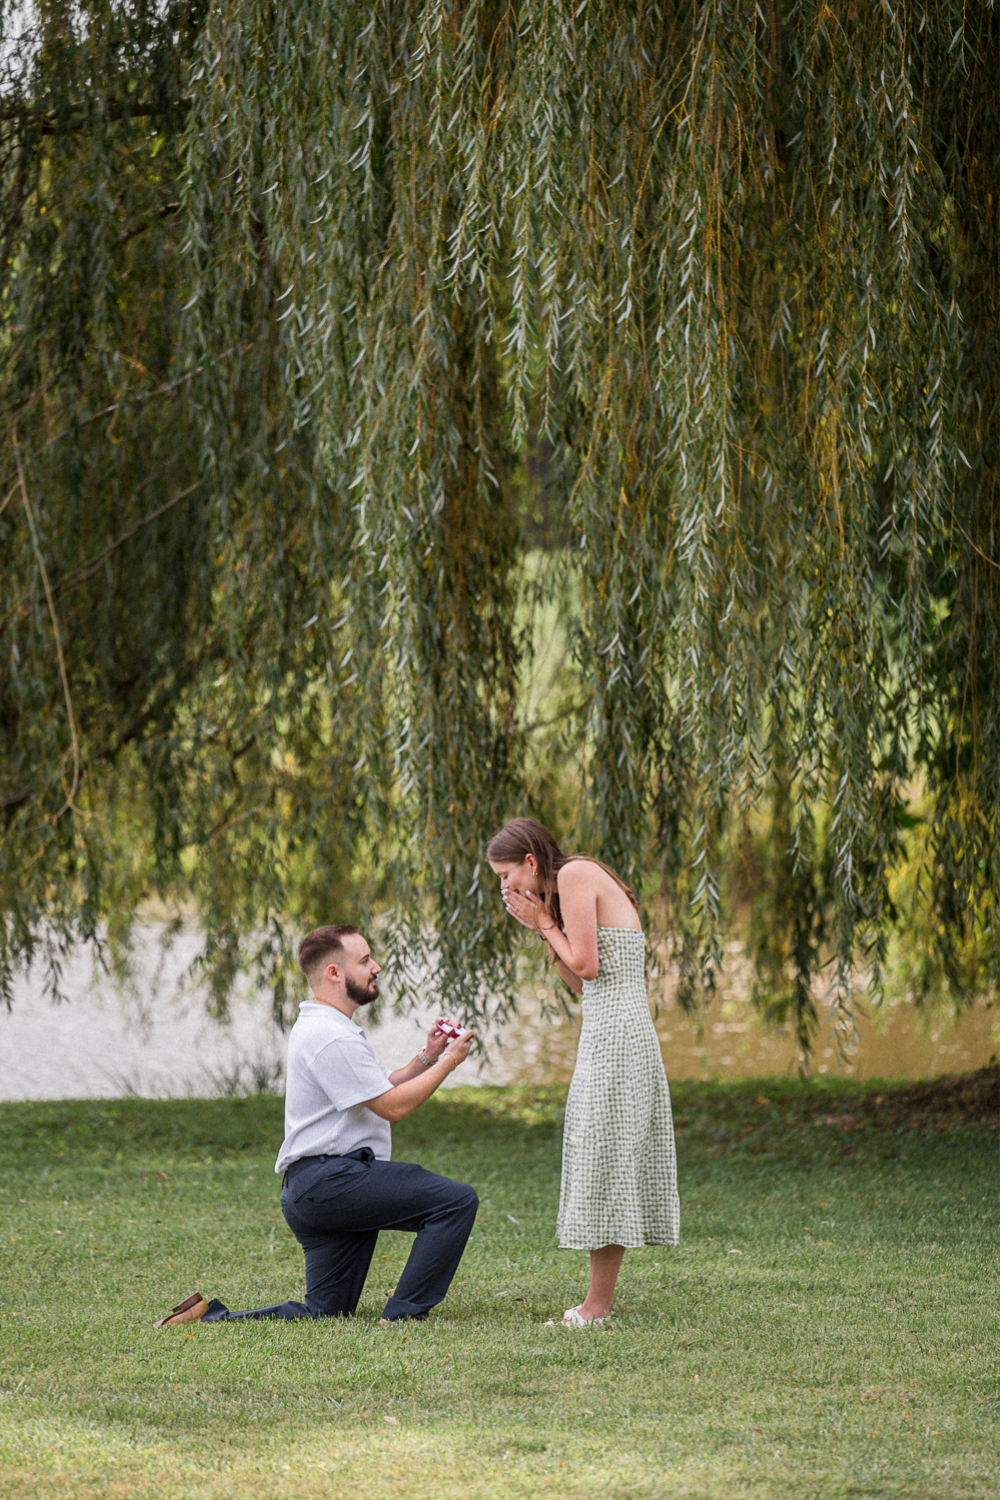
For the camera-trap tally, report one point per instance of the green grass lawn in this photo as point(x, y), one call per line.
point(827, 1327)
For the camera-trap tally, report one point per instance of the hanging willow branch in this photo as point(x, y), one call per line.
point(54, 618)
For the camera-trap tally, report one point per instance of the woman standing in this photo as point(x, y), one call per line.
point(619, 1171)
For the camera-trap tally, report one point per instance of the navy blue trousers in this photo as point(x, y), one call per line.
point(335, 1207)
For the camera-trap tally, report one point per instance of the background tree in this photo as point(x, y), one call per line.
point(735, 267)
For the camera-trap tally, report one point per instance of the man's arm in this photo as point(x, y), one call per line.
point(433, 1048)
point(403, 1098)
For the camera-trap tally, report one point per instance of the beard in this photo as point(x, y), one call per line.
point(361, 994)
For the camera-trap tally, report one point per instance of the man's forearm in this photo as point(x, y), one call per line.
point(414, 1069)
point(403, 1098)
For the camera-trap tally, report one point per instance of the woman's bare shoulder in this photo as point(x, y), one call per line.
point(581, 872)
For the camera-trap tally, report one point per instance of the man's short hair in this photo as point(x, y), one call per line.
point(322, 946)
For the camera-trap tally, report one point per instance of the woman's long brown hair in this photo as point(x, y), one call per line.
point(523, 836)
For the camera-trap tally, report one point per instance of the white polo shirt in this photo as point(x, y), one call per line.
point(331, 1072)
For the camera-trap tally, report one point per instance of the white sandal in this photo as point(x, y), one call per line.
point(571, 1319)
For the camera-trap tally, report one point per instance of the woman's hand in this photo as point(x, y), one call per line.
point(528, 910)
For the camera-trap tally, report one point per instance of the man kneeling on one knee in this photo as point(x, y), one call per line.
point(340, 1186)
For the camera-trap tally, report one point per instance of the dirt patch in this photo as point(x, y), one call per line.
point(968, 1099)
point(724, 1116)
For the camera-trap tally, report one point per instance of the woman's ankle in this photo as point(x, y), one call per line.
point(591, 1308)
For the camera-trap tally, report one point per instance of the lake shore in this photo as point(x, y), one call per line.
point(155, 1039)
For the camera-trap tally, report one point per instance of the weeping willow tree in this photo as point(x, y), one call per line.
point(735, 265)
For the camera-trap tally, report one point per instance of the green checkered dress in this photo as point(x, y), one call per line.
point(619, 1171)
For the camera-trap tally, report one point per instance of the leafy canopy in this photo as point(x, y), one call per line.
point(301, 283)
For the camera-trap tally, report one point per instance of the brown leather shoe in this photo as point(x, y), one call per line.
point(191, 1310)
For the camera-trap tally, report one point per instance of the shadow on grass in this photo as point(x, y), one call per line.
point(753, 1114)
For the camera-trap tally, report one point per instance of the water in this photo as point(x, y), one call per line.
point(158, 1042)
point(728, 1040)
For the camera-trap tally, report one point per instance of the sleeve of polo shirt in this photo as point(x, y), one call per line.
point(349, 1073)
